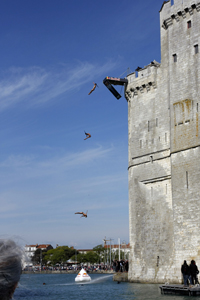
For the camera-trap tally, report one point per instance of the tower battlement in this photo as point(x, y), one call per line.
point(145, 81)
point(178, 10)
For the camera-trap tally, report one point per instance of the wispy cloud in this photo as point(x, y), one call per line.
point(55, 164)
point(36, 85)
point(20, 84)
point(57, 178)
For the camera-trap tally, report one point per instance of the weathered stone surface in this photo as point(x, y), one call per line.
point(164, 151)
point(120, 277)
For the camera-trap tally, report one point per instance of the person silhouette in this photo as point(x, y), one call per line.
point(94, 87)
point(82, 213)
point(88, 135)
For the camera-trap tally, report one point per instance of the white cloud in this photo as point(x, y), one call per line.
point(20, 85)
point(35, 85)
point(29, 180)
point(57, 164)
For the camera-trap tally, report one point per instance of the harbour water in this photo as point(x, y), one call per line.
point(102, 286)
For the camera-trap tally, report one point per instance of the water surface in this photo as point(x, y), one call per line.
point(102, 286)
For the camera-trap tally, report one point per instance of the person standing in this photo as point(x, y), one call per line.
point(126, 265)
point(194, 272)
point(114, 265)
point(185, 270)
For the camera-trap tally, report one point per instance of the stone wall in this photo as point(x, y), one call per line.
point(164, 169)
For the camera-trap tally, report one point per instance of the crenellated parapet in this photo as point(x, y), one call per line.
point(180, 9)
point(144, 82)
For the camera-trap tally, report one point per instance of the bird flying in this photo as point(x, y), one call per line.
point(88, 135)
point(94, 87)
point(82, 213)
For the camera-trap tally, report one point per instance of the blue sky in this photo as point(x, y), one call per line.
point(51, 53)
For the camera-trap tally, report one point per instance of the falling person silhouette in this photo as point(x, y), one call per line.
point(88, 135)
point(94, 87)
point(82, 213)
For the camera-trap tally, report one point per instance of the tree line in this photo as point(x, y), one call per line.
point(62, 254)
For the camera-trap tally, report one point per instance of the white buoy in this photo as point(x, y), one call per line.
point(82, 276)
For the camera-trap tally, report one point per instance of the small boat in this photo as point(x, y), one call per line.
point(82, 276)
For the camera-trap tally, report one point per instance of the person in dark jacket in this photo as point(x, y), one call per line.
point(194, 272)
point(185, 270)
point(126, 265)
point(114, 265)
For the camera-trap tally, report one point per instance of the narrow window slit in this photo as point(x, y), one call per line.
point(158, 261)
point(175, 58)
point(196, 49)
point(156, 122)
point(187, 179)
point(189, 24)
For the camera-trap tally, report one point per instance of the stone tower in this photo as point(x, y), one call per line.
point(164, 150)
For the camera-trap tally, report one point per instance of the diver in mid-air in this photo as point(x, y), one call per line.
point(94, 87)
point(88, 135)
point(82, 213)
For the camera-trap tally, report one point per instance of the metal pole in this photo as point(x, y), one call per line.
point(40, 259)
point(110, 252)
point(119, 247)
point(107, 254)
point(124, 245)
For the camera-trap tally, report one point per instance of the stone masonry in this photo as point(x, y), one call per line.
point(164, 151)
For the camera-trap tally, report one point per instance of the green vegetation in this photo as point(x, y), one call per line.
point(91, 257)
point(62, 254)
point(58, 255)
point(100, 251)
point(95, 256)
point(38, 256)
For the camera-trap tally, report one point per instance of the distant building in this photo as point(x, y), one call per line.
point(45, 247)
point(30, 249)
point(123, 248)
point(84, 251)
